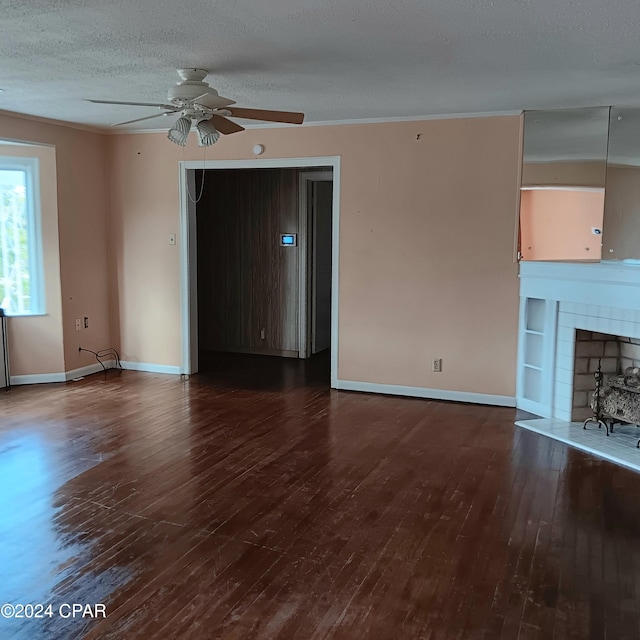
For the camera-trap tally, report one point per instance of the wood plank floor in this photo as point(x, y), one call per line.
point(253, 502)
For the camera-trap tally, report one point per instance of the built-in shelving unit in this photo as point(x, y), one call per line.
point(537, 336)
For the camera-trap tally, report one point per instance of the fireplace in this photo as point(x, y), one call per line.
point(614, 354)
point(563, 307)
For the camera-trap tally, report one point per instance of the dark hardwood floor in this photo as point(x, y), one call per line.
point(253, 502)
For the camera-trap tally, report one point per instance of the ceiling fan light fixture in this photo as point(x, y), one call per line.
point(196, 102)
point(180, 131)
point(207, 133)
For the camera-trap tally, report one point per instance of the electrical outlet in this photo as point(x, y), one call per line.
point(78, 324)
point(86, 322)
point(436, 365)
point(263, 334)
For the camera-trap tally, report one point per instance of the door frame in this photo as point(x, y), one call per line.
point(305, 255)
point(188, 247)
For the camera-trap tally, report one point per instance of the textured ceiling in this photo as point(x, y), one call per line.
point(334, 60)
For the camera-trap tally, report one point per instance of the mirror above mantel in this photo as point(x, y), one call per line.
point(563, 184)
point(621, 228)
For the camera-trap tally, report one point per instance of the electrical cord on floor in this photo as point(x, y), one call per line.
point(103, 354)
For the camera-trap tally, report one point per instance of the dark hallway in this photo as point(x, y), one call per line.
point(247, 371)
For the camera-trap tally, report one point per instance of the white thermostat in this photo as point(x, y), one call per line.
point(288, 239)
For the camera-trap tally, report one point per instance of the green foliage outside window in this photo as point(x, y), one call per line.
point(15, 295)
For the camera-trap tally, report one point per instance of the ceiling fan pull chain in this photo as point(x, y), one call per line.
point(204, 163)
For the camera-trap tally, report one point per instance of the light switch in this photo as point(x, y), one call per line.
point(172, 238)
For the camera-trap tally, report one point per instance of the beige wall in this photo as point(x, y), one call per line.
point(621, 231)
point(81, 234)
point(557, 224)
point(427, 226)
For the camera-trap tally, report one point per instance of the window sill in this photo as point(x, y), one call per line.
point(25, 315)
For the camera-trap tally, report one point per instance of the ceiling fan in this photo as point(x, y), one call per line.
point(198, 103)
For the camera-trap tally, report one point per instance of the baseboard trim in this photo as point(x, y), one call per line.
point(431, 394)
point(89, 370)
point(150, 368)
point(534, 408)
point(37, 378)
point(46, 378)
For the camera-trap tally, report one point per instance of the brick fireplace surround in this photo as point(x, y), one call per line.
point(556, 299)
point(562, 306)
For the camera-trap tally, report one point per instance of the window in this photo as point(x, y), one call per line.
point(20, 238)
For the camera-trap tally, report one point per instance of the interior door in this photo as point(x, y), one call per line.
point(321, 222)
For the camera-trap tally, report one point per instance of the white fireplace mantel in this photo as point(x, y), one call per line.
point(556, 298)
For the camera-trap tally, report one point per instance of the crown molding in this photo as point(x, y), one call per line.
point(59, 123)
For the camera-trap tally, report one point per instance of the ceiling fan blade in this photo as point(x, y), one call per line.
point(156, 115)
point(225, 126)
point(212, 101)
point(136, 104)
point(289, 117)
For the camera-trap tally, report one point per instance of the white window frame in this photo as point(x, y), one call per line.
point(31, 167)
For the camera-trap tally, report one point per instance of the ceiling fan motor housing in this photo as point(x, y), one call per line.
point(192, 86)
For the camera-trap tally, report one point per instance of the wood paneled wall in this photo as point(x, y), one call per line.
point(246, 281)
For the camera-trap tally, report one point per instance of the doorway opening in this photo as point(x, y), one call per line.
point(260, 265)
point(315, 222)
